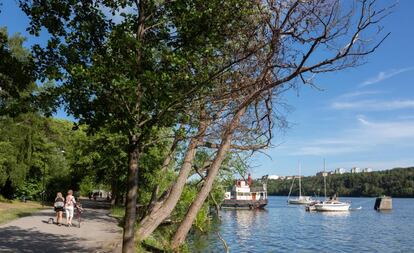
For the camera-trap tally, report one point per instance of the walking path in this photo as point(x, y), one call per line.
point(98, 233)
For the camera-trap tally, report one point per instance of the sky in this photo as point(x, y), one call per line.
point(361, 117)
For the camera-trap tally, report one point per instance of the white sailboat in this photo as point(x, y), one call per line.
point(332, 204)
point(300, 200)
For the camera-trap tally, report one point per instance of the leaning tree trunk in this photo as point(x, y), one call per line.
point(188, 220)
point(128, 244)
point(163, 208)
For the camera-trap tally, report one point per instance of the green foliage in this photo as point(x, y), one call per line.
point(87, 185)
point(397, 182)
point(35, 153)
point(16, 75)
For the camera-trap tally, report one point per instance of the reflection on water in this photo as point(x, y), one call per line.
point(245, 220)
point(336, 214)
point(283, 228)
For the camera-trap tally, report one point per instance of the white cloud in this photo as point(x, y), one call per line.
point(359, 94)
point(381, 76)
point(374, 105)
point(364, 137)
point(386, 132)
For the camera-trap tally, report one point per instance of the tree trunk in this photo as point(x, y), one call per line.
point(114, 192)
point(162, 209)
point(128, 244)
point(188, 220)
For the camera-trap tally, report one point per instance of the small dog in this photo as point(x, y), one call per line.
point(50, 221)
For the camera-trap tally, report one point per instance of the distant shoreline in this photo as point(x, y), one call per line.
point(397, 183)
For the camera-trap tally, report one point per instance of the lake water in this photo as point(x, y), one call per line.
point(286, 228)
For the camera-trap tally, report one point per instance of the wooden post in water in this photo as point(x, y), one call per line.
point(383, 203)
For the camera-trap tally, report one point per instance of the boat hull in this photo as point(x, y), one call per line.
point(244, 204)
point(323, 207)
point(300, 201)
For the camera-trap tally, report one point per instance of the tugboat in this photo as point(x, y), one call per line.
point(242, 196)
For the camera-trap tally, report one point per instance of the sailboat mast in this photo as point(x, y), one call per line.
point(324, 176)
point(300, 186)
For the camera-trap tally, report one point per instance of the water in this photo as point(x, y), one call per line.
point(283, 228)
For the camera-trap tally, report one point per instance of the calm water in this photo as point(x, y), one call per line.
point(283, 228)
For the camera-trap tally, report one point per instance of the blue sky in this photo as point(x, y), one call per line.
point(364, 116)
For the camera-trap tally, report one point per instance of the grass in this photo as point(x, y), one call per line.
point(10, 210)
point(118, 212)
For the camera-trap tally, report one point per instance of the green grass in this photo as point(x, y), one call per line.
point(118, 211)
point(12, 210)
point(4, 200)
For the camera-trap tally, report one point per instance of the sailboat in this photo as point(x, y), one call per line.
point(332, 204)
point(300, 200)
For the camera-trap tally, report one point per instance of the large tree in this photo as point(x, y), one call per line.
point(297, 40)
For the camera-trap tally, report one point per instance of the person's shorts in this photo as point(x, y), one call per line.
point(69, 211)
point(59, 209)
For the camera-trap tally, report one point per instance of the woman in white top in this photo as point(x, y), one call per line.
point(69, 206)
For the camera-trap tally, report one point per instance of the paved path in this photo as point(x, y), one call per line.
point(98, 233)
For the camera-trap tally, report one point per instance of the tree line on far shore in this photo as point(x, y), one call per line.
point(398, 182)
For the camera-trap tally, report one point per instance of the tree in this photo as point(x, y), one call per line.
point(297, 41)
point(16, 75)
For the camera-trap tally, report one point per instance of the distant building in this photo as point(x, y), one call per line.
point(324, 173)
point(367, 170)
point(340, 171)
point(356, 170)
point(282, 177)
point(273, 177)
point(289, 177)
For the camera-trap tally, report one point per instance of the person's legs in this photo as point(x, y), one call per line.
point(60, 217)
point(57, 217)
point(70, 215)
point(67, 215)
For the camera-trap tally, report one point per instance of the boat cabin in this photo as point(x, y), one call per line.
point(242, 191)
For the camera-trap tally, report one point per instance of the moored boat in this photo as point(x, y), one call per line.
point(242, 196)
point(300, 200)
point(329, 205)
point(332, 206)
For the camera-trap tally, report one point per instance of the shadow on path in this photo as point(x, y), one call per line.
point(30, 240)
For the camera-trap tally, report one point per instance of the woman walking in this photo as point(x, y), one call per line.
point(69, 206)
point(59, 204)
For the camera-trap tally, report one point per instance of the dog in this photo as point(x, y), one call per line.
point(50, 221)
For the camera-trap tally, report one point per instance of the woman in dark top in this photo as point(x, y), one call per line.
point(59, 205)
